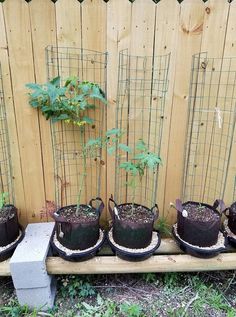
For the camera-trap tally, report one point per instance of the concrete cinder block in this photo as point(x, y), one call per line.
point(41, 298)
point(27, 265)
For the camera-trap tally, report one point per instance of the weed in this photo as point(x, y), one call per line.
point(131, 310)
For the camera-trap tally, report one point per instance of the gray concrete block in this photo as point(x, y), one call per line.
point(41, 298)
point(27, 265)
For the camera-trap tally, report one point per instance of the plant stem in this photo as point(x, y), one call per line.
point(83, 173)
point(133, 194)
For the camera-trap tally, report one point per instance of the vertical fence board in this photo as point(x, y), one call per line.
point(94, 27)
point(216, 16)
point(139, 107)
point(22, 70)
point(118, 38)
point(189, 43)
point(11, 120)
point(229, 51)
point(43, 28)
point(166, 39)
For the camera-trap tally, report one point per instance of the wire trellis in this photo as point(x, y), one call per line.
point(5, 157)
point(142, 87)
point(211, 127)
point(69, 139)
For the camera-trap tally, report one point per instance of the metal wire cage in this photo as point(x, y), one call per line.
point(211, 127)
point(5, 158)
point(142, 87)
point(70, 163)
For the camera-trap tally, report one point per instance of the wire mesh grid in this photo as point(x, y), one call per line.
point(71, 163)
point(211, 127)
point(142, 87)
point(5, 158)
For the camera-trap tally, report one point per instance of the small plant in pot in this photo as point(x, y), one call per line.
point(132, 223)
point(198, 224)
point(77, 226)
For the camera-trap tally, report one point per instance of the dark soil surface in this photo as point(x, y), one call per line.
point(6, 213)
point(138, 214)
point(201, 213)
point(85, 214)
point(210, 294)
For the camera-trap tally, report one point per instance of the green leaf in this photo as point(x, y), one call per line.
point(113, 132)
point(111, 150)
point(56, 81)
point(141, 146)
point(124, 147)
point(88, 120)
point(130, 167)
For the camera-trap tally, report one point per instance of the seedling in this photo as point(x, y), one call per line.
point(3, 199)
point(69, 103)
point(143, 160)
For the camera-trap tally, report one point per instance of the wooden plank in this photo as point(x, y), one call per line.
point(189, 43)
point(17, 21)
point(43, 29)
point(230, 51)
point(157, 263)
point(118, 38)
point(166, 39)
point(12, 126)
point(94, 26)
point(5, 268)
point(207, 160)
point(68, 20)
point(139, 105)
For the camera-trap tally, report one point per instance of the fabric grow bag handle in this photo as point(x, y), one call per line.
point(155, 211)
point(110, 208)
point(219, 203)
point(101, 206)
point(179, 205)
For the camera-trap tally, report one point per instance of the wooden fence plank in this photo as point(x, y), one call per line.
point(22, 69)
point(94, 28)
point(118, 38)
point(43, 29)
point(189, 43)
point(230, 51)
point(166, 40)
point(12, 124)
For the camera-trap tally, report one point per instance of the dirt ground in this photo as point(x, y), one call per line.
point(134, 295)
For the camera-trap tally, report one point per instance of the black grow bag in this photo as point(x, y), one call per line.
point(81, 235)
point(134, 256)
point(197, 252)
point(8, 252)
point(80, 256)
point(195, 232)
point(231, 215)
point(130, 234)
point(9, 229)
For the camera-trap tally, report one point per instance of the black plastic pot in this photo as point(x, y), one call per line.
point(80, 235)
point(195, 232)
point(9, 229)
point(130, 234)
point(231, 215)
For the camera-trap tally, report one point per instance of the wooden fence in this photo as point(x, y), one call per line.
point(142, 26)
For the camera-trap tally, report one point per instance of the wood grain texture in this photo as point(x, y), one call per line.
point(157, 263)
